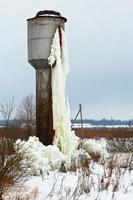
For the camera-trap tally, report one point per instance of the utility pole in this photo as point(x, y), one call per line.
point(81, 119)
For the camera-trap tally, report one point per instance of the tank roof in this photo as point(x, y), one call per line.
point(48, 14)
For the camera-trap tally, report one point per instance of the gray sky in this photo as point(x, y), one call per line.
point(100, 42)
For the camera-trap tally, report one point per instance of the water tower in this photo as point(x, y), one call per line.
point(41, 30)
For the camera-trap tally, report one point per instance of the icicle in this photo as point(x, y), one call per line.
point(65, 59)
point(65, 139)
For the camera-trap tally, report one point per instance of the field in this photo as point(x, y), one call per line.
point(109, 133)
point(16, 133)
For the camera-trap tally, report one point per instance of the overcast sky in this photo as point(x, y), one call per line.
point(100, 42)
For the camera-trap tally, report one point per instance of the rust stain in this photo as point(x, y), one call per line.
point(60, 36)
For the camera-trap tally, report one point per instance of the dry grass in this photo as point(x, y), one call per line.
point(120, 145)
point(108, 133)
point(12, 168)
point(21, 193)
point(88, 183)
point(15, 133)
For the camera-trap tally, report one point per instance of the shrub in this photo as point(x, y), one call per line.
point(117, 145)
point(12, 169)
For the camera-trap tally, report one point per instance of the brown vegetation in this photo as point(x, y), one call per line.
point(108, 133)
point(97, 185)
point(16, 133)
point(12, 168)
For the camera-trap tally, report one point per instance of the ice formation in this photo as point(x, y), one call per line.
point(65, 138)
point(40, 158)
point(94, 148)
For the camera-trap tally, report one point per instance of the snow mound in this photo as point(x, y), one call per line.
point(93, 148)
point(41, 158)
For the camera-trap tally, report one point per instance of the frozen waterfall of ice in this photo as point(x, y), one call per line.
point(65, 138)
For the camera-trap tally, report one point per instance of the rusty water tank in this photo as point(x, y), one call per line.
point(41, 30)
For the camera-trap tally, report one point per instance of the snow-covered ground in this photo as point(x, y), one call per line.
point(76, 186)
point(83, 176)
point(73, 185)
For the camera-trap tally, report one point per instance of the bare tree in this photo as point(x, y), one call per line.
point(26, 112)
point(6, 109)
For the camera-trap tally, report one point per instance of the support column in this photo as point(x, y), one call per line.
point(44, 119)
